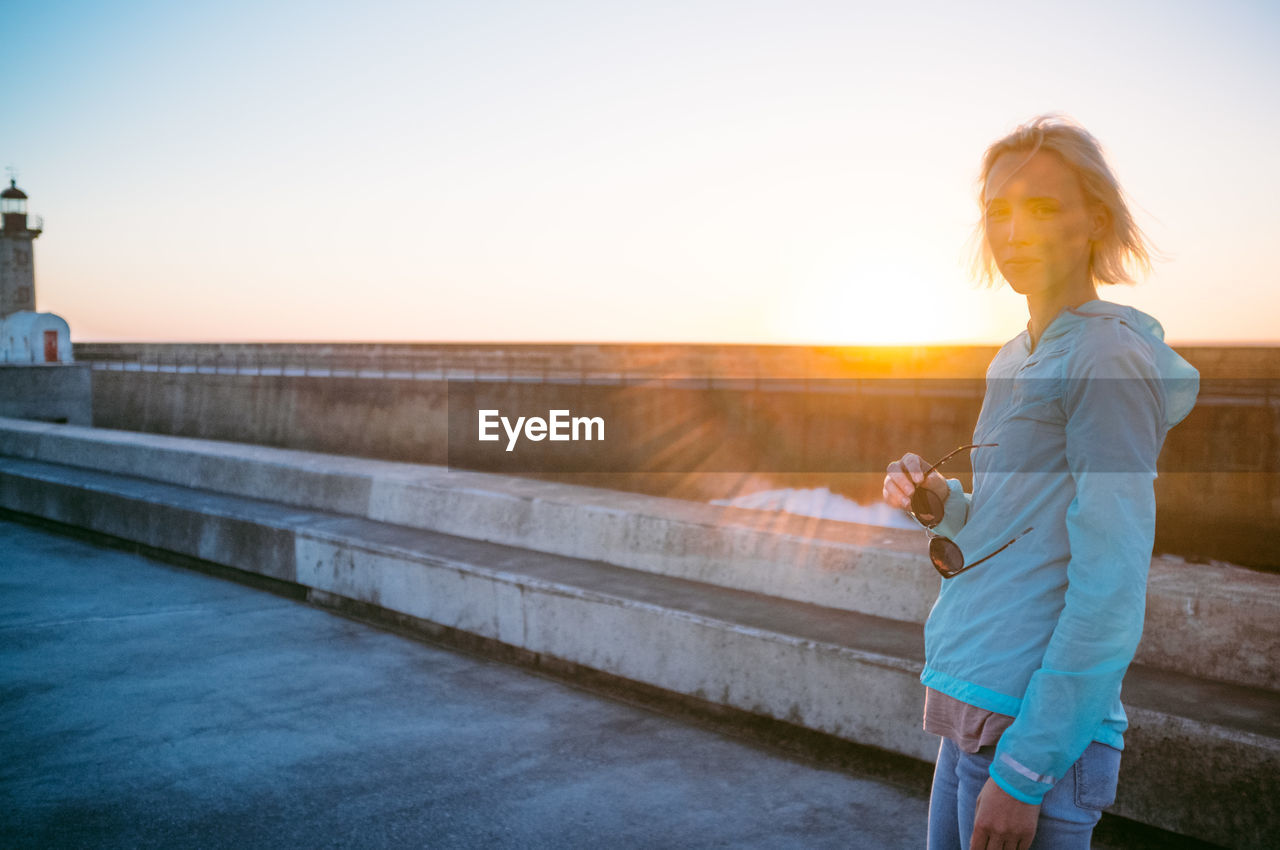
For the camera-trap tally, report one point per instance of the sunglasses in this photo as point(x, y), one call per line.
point(926, 509)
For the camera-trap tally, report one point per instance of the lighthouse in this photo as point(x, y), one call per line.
point(17, 263)
point(37, 378)
point(26, 336)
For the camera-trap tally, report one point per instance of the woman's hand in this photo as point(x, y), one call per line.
point(1002, 823)
point(903, 476)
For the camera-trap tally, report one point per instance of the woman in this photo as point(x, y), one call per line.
point(1028, 642)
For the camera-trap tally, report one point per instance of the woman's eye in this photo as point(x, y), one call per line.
point(1045, 209)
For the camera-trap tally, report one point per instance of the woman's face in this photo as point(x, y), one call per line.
point(1038, 224)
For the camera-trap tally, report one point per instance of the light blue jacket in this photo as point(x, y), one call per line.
point(1045, 630)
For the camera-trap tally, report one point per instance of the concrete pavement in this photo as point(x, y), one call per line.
point(145, 705)
point(149, 706)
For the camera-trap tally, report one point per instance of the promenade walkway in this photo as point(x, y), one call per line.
point(149, 706)
point(145, 705)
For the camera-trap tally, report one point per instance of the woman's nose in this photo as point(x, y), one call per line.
point(1018, 230)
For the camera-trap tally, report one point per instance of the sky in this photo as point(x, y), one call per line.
point(766, 172)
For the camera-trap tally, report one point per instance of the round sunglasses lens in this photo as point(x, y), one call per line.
point(927, 507)
point(946, 556)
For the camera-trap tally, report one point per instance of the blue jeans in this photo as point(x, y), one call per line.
point(1068, 813)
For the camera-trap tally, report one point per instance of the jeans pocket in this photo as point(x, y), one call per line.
point(1097, 773)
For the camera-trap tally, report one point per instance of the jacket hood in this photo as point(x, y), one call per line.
point(1181, 380)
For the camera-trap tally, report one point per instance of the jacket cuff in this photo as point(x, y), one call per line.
point(955, 511)
point(1018, 781)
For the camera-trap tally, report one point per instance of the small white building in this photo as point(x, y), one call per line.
point(30, 337)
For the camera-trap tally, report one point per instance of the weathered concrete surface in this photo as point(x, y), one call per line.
point(835, 671)
point(1210, 621)
point(60, 392)
point(366, 401)
point(726, 645)
point(147, 706)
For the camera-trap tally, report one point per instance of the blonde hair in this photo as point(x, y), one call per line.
point(1123, 242)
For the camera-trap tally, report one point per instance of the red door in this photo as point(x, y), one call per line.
point(51, 346)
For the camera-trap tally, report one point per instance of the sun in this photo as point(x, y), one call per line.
point(874, 306)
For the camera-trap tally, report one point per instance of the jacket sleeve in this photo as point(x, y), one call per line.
point(955, 511)
point(1114, 402)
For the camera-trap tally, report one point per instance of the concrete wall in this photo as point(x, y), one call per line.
point(1218, 494)
point(384, 418)
point(50, 393)
point(769, 361)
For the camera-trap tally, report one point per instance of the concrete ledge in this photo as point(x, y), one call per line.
point(1195, 747)
point(1210, 621)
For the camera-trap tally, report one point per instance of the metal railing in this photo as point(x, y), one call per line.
point(545, 361)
